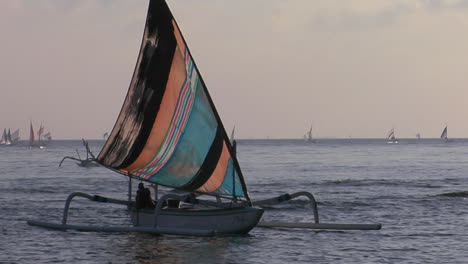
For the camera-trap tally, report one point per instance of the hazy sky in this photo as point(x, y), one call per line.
point(273, 67)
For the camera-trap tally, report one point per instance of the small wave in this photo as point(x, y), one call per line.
point(455, 194)
point(378, 182)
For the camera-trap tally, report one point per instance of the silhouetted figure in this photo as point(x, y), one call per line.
point(143, 197)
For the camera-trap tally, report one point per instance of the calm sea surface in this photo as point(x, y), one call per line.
point(363, 181)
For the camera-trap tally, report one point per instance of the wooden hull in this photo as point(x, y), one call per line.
point(219, 221)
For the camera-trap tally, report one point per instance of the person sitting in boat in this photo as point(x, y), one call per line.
point(143, 197)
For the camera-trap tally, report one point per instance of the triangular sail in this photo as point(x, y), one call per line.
point(309, 134)
point(47, 136)
point(391, 134)
point(168, 131)
point(40, 131)
point(3, 139)
point(31, 135)
point(232, 134)
point(8, 138)
point(15, 136)
point(444, 133)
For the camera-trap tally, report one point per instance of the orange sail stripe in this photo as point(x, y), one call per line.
point(179, 40)
point(217, 178)
point(175, 82)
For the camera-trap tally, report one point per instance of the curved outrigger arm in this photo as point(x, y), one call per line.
point(287, 197)
point(316, 224)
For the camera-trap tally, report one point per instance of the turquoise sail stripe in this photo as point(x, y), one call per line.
point(226, 187)
point(193, 147)
point(179, 120)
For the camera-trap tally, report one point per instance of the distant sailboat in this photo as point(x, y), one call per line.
point(6, 137)
point(391, 139)
point(418, 136)
point(31, 135)
point(47, 136)
point(39, 137)
point(309, 137)
point(43, 137)
point(15, 136)
point(88, 162)
point(444, 135)
point(232, 134)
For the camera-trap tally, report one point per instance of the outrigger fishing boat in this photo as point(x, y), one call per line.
point(89, 161)
point(444, 135)
point(391, 139)
point(309, 137)
point(169, 133)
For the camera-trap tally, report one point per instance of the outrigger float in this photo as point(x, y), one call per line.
point(169, 133)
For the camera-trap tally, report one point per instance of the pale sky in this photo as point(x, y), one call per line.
point(273, 67)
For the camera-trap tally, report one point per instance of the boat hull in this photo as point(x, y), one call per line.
point(219, 221)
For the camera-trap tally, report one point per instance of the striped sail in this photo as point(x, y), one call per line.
point(168, 131)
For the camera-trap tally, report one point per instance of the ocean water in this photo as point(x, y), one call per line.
point(415, 189)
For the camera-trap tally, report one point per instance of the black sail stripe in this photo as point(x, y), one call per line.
point(209, 164)
point(145, 94)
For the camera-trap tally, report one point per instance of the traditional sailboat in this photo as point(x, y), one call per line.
point(31, 135)
point(89, 161)
point(445, 137)
point(6, 137)
point(169, 133)
point(391, 139)
point(444, 134)
point(309, 137)
point(43, 137)
point(15, 136)
point(41, 140)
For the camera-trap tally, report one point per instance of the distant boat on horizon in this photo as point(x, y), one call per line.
point(42, 138)
point(15, 136)
point(9, 138)
point(418, 136)
point(391, 139)
point(6, 137)
point(308, 137)
point(444, 135)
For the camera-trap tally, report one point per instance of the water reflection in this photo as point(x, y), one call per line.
point(145, 248)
